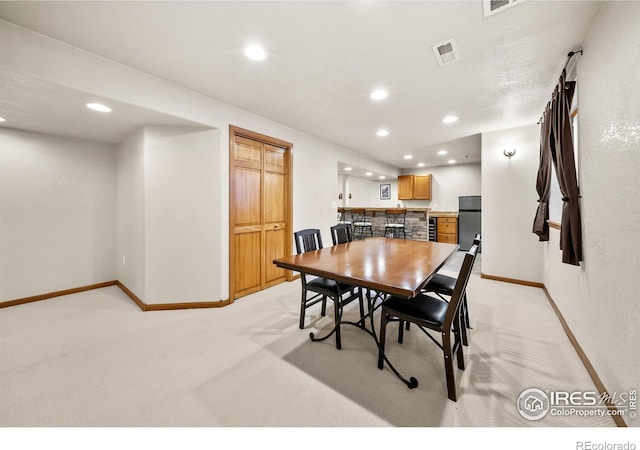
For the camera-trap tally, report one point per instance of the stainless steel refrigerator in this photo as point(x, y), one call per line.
point(469, 220)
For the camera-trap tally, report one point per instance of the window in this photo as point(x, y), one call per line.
point(555, 196)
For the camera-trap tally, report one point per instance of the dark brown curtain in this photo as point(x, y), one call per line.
point(564, 162)
point(543, 182)
point(556, 144)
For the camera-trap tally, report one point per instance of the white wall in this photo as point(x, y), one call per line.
point(366, 193)
point(314, 161)
point(599, 299)
point(57, 213)
point(509, 202)
point(447, 184)
point(131, 212)
point(180, 215)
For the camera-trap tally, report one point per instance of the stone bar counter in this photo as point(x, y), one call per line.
point(416, 223)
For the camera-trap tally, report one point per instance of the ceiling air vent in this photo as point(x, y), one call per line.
point(446, 52)
point(496, 6)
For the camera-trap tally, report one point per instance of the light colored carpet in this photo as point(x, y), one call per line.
point(93, 359)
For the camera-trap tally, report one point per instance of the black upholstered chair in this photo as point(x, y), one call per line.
point(395, 222)
point(322, 288)
point(361, 223)
point(341, 233)
point(433, 313)
point(443, 285)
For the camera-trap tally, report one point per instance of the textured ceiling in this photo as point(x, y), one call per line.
point(44, 107)
point(326, 57)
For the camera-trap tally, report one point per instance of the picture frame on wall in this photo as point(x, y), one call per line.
point(385, 192)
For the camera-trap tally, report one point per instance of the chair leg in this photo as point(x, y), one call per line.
point(401, 331)
point(383, 337)
point(466, 311)
point(448, 367)
point(465, 338)
point(303, 307)
point(464, 321)
point(336, 309)
point(361, 301)
point(460, 357)
point(323, 312)
point(463, 328)
point(457, 345)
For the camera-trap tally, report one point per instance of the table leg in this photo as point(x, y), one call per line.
point(412, 382)
point(336, 327)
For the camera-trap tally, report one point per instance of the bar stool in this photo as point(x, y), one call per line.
point(395, 222)
point(361, 223)
point(345, 217)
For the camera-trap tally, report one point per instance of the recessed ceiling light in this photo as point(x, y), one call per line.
point(99, 107)
point(451, 161)
point(382, 133)
point(382, 177)
point(348, 169)
point(449, 119)
point(442, 152)
point(379, 94)
point(408, 156)
point(368, 174)
point(2, 119)
point(255, 53)
point(421, 164)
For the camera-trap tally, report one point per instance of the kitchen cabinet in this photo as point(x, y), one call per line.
point(414, 187)
point(447, 230)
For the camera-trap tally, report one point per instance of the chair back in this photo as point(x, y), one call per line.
point(344, 215)
point(476, 241)
point(461, 286)
point(341, 234)
point(395, 216)
point(359, 216)
point(307, 240)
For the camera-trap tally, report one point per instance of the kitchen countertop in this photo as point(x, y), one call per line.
point(443, 213)
point(420, 210)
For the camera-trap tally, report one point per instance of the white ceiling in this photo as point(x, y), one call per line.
point(44, 107)
point(325, 58)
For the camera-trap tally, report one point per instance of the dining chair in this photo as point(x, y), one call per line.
point(436, 314)
point(444, 285)
point(361, 223)
point(321, 288)
point(395, 221)
point(341, 233)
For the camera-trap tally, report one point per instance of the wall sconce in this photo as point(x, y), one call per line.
point(509, 154)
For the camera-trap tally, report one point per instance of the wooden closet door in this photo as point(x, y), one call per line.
point(247, 199)
point(260, 212)
point(275, 227)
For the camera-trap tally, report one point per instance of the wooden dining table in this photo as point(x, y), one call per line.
point(382, 266)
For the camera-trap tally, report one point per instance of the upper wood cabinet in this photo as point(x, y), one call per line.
point(405, 187)
point(414, 187)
